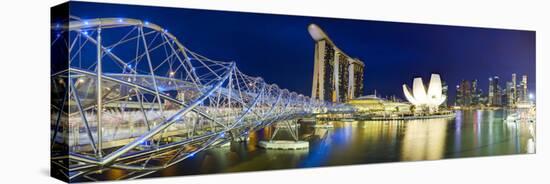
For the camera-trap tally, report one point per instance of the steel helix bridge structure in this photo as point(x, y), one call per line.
point(128, 95)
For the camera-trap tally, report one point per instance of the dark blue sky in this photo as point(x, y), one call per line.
point(279, 48)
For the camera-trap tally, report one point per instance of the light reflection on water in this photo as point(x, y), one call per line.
point(471, 133)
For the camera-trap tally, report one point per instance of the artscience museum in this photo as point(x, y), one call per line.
point(423, 99)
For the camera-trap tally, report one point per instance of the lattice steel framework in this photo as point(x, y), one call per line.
point(134, 98)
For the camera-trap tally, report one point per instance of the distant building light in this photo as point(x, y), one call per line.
point(85, 22)
point(531, 96)
point(120, 20)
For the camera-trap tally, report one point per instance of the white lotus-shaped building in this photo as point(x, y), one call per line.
point(431, 98)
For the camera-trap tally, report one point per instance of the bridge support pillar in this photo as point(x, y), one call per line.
point(238, 137)
point(291, 126)
point(243, 138)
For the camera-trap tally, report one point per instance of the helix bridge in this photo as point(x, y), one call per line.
point(127, 95)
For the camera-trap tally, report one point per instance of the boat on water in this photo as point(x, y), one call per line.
point(517, 118)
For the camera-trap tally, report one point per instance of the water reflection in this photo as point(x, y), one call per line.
point(424, 140)
point(471, 133)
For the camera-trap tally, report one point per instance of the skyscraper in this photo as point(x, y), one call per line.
point(475, 93)
point(495, 92)
point(444, 91)
point(525, 94)
point(514, 91)
point(509, 95)
point(490, 93)
point(464, 94)
point(336, 76)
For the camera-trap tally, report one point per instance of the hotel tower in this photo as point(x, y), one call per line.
point(336, 76)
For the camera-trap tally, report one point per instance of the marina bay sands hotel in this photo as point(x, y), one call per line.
point(336, 76)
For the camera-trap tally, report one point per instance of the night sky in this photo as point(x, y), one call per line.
point(279, 48)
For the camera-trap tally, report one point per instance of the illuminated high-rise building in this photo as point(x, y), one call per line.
point(509, 95)
point(336, 76)
point(464, 93)
point(514, 91)
point(495, 92)
point(525, 94)
point(444, 91)
point(490, 92)
point(476, 93)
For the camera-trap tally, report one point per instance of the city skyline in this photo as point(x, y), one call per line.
point(498, 93)
point(393, 53)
